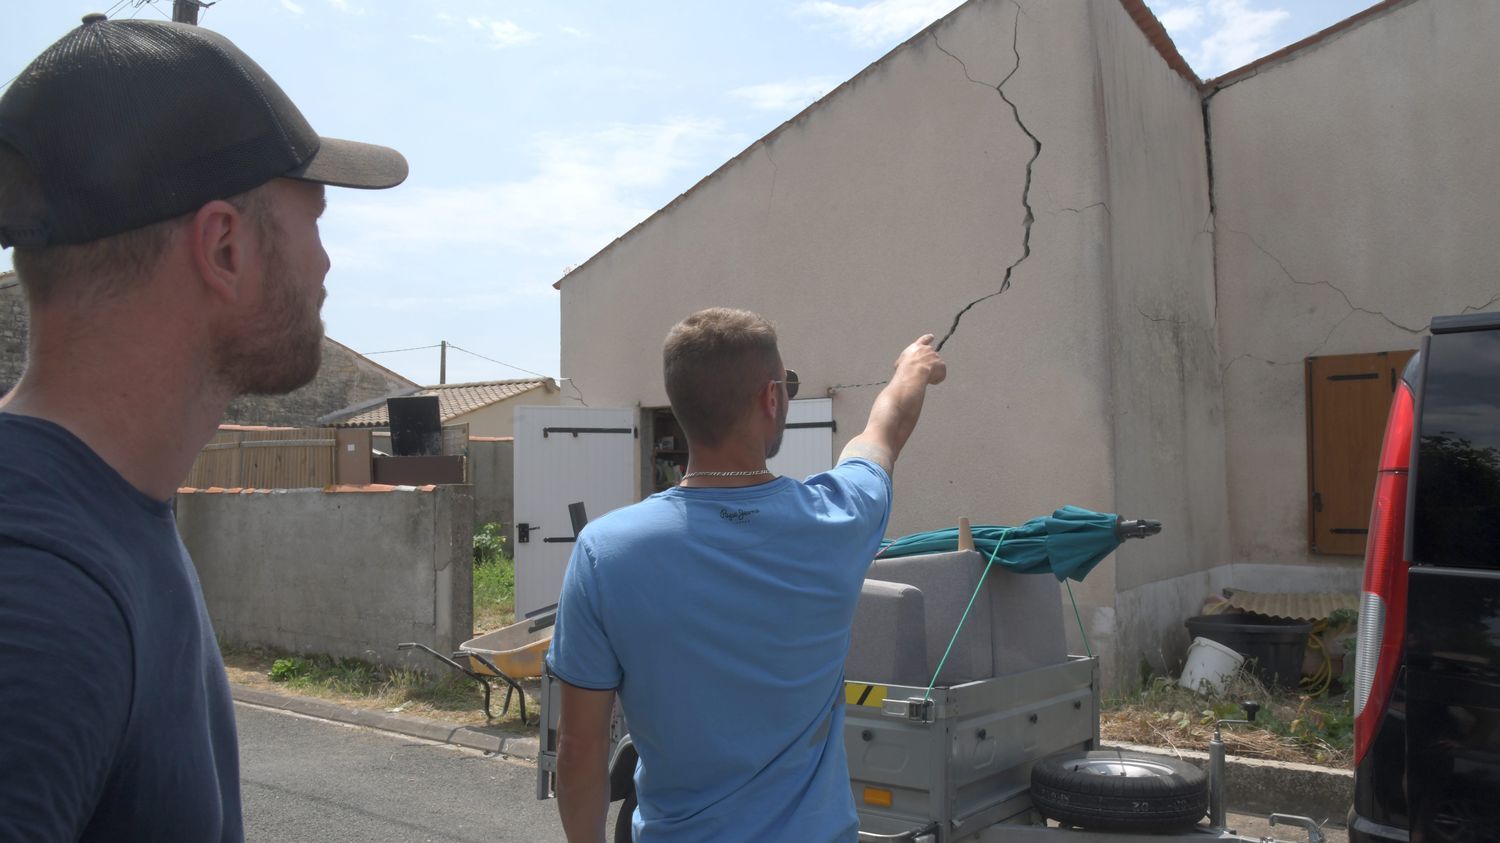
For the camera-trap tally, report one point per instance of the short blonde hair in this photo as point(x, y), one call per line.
point(713, 363)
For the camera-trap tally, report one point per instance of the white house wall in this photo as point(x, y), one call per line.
point(1357, 196)
point(882, 212)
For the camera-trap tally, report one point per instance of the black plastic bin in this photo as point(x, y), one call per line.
point(1274, 645)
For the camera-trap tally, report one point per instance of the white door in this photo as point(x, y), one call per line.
point(564, 455)
point(807, 445)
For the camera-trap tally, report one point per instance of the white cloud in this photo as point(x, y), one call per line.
point(346, 7)
point(584, 191)
point(427, 39)
point(576, 33)
point(505, 33)
point(1181, 18)
point(878, 23)
point(292, 7)
point(1239, 32)
point(785, 96)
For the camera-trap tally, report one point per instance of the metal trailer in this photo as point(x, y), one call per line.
point(938, 768)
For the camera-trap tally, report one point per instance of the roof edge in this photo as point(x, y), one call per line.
point(1212, 86)
point(1155, 33)
point(403, 378)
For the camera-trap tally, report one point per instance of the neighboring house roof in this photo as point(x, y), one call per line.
point(454, 399)
point(396, 375)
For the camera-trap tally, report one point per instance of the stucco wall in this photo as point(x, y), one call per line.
point(1165, 409)
point(491, 473)
point(1357, 196)
point(498, 419)
point(885, 210)
point(348, 574)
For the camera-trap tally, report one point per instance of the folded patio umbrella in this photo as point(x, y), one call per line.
point(1067, 544)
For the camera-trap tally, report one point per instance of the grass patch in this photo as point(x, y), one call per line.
point(444, 694)
point(494, 580)
point(1291, 726)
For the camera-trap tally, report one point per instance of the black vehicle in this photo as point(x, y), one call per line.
point(1427, 669)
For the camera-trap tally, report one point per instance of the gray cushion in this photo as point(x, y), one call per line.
point(888, 643)
point(1026, 621)
point(947, 581)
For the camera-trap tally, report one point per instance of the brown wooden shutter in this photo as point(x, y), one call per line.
point(1348, 397)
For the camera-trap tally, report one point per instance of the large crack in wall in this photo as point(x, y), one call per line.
point(1026, 191)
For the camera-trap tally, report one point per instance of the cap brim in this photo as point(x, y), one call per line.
point(343, 163)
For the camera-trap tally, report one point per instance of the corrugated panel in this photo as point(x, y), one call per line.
point(1307, 607)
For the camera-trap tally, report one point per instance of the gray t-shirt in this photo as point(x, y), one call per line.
point(115, 716)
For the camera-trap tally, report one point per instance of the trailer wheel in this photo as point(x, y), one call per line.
point(1119, 791)
point(623, 822)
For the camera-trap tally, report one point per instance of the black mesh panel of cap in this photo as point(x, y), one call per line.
point(128, 123)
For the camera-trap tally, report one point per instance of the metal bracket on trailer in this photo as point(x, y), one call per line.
point(921, 834)
point(915, 708)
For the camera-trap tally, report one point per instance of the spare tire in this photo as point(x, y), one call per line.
point(1119, 791)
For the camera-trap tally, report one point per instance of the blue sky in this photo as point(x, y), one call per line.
point(540, 130)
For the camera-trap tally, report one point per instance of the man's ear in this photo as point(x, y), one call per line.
point(768, 399)
point(221, 246)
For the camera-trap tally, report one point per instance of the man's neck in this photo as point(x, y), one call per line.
point(146, 416)
point(747, 459)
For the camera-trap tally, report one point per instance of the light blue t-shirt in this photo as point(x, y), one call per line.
point(722, 618)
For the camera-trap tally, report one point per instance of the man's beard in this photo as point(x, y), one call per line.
point(283, 349)
point(780, 431)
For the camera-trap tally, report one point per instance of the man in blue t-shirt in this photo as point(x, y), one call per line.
point(719, 611)
point(162, 195)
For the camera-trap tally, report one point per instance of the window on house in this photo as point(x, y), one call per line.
point(1348, 397)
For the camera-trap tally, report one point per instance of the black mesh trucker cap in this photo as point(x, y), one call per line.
point(121, 124)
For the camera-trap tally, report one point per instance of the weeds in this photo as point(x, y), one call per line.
point(494, 580)
point(1291, 726)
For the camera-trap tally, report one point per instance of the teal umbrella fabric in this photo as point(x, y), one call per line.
point(1067, 544)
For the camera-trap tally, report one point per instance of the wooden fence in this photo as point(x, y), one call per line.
point(266, 458)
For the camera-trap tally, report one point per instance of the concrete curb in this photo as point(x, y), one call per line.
point(1255, 787)
point(1265, 787)
point(484, 740)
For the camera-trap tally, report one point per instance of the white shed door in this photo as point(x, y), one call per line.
point(564, 455)
point(807, 445)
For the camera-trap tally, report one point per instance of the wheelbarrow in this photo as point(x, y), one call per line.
point(507, 654)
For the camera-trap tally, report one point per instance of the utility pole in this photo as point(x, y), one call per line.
point(443, 364)
point(186, 11)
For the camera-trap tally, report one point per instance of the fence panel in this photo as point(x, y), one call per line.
point(266, 458)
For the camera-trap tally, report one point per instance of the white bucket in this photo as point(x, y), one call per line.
point(1211, 663)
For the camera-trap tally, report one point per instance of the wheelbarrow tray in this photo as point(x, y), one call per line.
point(517, 650)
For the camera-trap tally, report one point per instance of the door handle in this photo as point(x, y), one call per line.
point(523, 532)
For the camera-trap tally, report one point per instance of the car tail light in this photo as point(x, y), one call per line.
point(1382, 611)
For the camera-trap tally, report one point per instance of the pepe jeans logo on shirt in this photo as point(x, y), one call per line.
point(737, 516)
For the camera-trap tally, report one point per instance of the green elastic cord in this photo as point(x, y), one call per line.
point(965, 617)
point(1085, 635)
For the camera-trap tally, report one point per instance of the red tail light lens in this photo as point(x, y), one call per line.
point(1382, 615)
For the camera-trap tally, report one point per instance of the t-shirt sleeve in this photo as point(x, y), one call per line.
point(861, 488)
point(65, 688)
point(580, 653)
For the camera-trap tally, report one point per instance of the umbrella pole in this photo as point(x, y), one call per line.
point(965, 535)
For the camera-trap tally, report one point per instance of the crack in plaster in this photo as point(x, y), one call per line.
point(1084, 208)
point(1026, 191)
point(1329, 284)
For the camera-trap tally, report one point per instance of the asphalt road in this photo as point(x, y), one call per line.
point(312, 780)
point(323, 782)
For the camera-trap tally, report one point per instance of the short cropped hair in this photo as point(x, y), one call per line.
point(100, 269)
point(714, 362)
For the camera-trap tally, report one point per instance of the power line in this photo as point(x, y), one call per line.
point(398, 350)
point(501, 362)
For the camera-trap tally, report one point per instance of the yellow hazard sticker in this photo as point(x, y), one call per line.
point(860, 693)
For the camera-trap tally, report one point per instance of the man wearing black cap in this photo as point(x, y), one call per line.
point(161, 194)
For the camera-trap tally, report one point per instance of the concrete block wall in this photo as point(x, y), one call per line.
point(491, 466)
point(347, 573)
point(13, 332)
